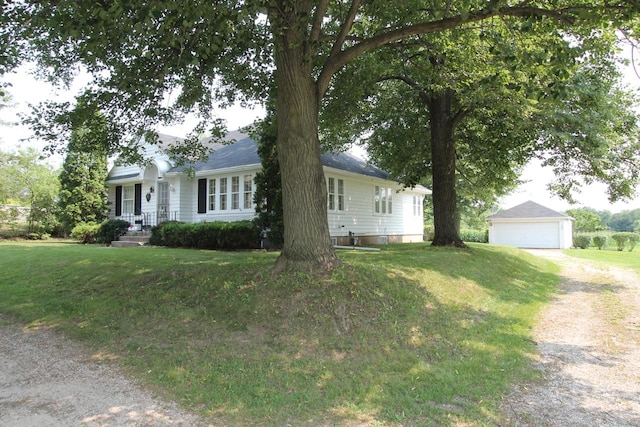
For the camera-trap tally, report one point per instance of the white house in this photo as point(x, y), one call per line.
point(361, 198)
point(530, 225)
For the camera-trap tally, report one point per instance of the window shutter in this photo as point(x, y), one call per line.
point(202, 195)
point(119, 200)
point(137, 207)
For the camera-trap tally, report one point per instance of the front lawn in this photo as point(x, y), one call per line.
point(410, 335)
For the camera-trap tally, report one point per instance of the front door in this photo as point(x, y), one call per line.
point(163, 202)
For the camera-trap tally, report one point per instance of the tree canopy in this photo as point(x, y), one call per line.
point(154, 61)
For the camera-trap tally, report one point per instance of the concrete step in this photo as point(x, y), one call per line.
point(132, 239)
point(125, 244)
point(128, 238)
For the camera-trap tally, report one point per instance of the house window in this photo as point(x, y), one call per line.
point(248, 191)
point(212, 194)
point(417, 206)
point(128, 199)
point(335, 190)
point(382, 200)
point(223, 194)
point(235, 192)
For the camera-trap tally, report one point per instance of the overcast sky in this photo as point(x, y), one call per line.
point(26, 90)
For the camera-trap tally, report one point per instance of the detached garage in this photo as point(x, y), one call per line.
point(531, 225)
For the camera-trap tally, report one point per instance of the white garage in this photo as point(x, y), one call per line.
point(531, 225)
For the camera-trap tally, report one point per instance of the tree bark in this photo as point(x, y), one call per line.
point(446, 218)
point(307, 243)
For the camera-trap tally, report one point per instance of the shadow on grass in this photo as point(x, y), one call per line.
point(368, 346)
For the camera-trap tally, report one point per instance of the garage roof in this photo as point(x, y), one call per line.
point(528, 210)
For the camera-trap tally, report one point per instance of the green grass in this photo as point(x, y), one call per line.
point(624, 259)
point(410, 335)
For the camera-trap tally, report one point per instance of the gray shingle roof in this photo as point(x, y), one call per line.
point(528, 210)
point(350, 163)
point(244, 152)
point(126, 176)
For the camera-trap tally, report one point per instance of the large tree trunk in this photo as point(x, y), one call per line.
point(446, 218)
point(307, 244)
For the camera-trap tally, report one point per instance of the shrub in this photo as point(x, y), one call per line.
point(625, 238)
point(111, 229)
point(428, 233)
point(582, 241)
point(469, 235)
point(157, 232)
point(208, 235)
point(38, 236)
point(86, 232)
point(600, 241)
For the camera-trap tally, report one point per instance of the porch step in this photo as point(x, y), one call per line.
point(132, 239)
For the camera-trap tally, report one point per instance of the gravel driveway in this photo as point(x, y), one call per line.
point(47, 380)
point(588, 340)
point(589, 354)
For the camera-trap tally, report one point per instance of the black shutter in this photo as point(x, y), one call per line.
point(119, 200)
point(202, 195)
point(137, 207)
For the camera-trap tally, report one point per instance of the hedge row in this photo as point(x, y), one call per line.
point(207, 235)
point(623, 240)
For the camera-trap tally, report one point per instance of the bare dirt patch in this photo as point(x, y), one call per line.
point(48, 380)
point(589, 351)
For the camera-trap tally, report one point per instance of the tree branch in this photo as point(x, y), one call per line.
point(409, 82)
point(316, 29)
point(345, 28)
point(338, 58)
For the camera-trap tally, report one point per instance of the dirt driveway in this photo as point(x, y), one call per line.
point(47, 380)
point(589, 353)
point(588, 340)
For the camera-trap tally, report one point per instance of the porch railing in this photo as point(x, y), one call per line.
point(146, 220)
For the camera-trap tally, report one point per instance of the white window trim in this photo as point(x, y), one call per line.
point(248, 192)
point(212, 194)
point(335, 194)
point(382, 200)
point(221, 196)
point(128, 199)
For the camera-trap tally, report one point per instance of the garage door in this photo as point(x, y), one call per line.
point(527, 235)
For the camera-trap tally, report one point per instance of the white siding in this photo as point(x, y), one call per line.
point(359, 216)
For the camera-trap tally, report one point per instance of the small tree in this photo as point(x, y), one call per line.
point(268, 195)
point(600, 241)
point(26, 181)
point(582, 241)
point(83, 194)
point(625, 238)
point(585, 220)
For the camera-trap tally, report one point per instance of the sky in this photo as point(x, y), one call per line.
point(27, 90)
